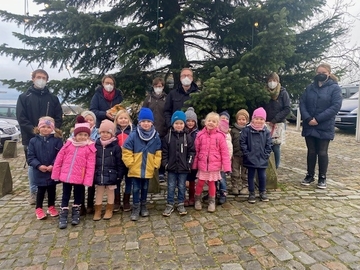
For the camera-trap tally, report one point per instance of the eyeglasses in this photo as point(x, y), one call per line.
point(186, 75)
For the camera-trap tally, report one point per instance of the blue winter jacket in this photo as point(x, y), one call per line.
point(99, 105)
point(42, 151)
point(322, 103)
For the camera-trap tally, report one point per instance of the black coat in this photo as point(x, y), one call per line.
point(99, 105)
point(32, 105)
point(109, 168)
point(175, 101)
point(156, 104)
point(256, 147)
point(43, 151)
point(178, 152)
point(277, 110)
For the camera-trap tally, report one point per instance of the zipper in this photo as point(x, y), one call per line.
point(72, 163)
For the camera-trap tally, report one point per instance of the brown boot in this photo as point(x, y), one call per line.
point(211, 207)
point(126, 202)
point(97, 215)
point(198, 205)
point(109, 211)
point(117, 203)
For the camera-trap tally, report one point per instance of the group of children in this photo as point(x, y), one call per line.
point(100, 158)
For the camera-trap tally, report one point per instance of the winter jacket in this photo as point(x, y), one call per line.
point(156, 104)
point(109, 168)
point(192, 132)
point(141, 157)
point(277, 110)
point(32, 105)
point(229, 144)
point(75, 164)
point(256, 147)
point(322, 103)
point(99, 105)
point(175, 101)
point(42, 151)
point(235, 137)
point(178, 152)
point(211, 151)
point(123, 134)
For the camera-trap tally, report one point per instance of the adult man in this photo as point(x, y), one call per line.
point(36, 102)
point(176, 98)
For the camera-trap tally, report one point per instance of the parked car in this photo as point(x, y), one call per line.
point(8, 132)
point(8, 112)
point(346, 117)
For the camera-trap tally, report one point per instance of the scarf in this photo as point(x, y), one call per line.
point(274, 93)
point(239, 127)
point(109, 96)
point(107, 142)
point(146, 135)
point(257, 127)
point(84, 143)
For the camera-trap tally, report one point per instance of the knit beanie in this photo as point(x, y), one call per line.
point(244, 113)
point(46, 122)
point(259, 112)
point(81, 125)
point(224, 125)
point(107, 125)
point(225, 113)
point(145, 114)
point(191, 115)
point(178, 115)
point(86, 113)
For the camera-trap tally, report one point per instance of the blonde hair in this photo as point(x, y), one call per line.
point(212, 115)
point(58, 132)
point(127, 115)
point(328, 68)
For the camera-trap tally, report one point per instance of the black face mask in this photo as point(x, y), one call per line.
point(320, 77)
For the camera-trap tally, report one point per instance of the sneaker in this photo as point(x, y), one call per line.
point(168, 210)
point(40, 213)
point(32, 199)
point(181, 209)
point(161, 178)
point(308, 180)
point(322, 182)
point(52, 211)
point(264, 197)
point(251, 198)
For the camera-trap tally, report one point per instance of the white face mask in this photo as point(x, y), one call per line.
point(40, 83)
point(186, 81)
point(108, 87)
point(272, 84)
point(158, 90)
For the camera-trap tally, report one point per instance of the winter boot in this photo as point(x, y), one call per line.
point(90, 200)
point(117, 203)
point(126, 202)
point(82, 210)
point(135, 213)
point(143, 210)
point(198, 205)
point(97, 215)
point(75, 215)
point(109, 211)
point(211, 206)
point(64, 212)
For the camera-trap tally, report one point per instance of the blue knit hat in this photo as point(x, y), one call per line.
point(178, 115)
point(145, 114)
point(225, 113)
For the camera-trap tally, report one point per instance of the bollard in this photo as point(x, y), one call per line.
point(6, 183)
point(10, 149)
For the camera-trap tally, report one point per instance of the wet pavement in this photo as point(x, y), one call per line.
point(300, 228)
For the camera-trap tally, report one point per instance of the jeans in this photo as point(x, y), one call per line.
point(317, 149)
point(222, 183)
point(140, 189)
point(261, 177)
point(176, 180)
point(78, 194)
point(33, 188)
point(276, 150)
point(128, 184)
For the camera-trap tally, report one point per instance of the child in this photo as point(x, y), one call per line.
point(211, 156)
point(109, 168)
point(177, 157)
point(255, 143)
point(192, 129)
point(142, 155)
point(74, 166)
point(123, 128)
point(42, 152)
point(238, 176)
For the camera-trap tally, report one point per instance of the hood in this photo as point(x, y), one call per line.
point(39, 92)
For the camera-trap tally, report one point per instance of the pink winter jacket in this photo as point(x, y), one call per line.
point(75, 164)
point(212, 153)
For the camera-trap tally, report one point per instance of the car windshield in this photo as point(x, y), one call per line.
point(354, 96)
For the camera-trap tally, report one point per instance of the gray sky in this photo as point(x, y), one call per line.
point(10, 69)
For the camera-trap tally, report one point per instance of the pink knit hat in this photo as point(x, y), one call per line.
point(107, 125)
point(259, 112)
point(81, 126)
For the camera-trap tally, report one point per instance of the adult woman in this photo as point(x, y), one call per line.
point(105, 97)
point(319, 104)
point(276, 111)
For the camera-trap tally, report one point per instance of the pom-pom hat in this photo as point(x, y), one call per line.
point(191, 115)
point(178, 115)
point(107, 125)
point(145, 114)
point(81, 126)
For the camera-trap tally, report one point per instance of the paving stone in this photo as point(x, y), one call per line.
point(131, 245)
point(281, 253)
point(304, 258)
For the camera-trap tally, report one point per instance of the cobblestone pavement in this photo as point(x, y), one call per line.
point(300, 228)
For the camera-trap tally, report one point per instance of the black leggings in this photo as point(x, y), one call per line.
point(317, 149)
point(51, 190)
point(78, 194)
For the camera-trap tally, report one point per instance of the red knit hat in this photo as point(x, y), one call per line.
point(81, 125)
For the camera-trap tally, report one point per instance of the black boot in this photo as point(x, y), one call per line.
point(135, 213)
point(64, 212)
point(90, 200)
point(75, 215)
point(309, 178)
point(322, 181)
point(143, 210)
